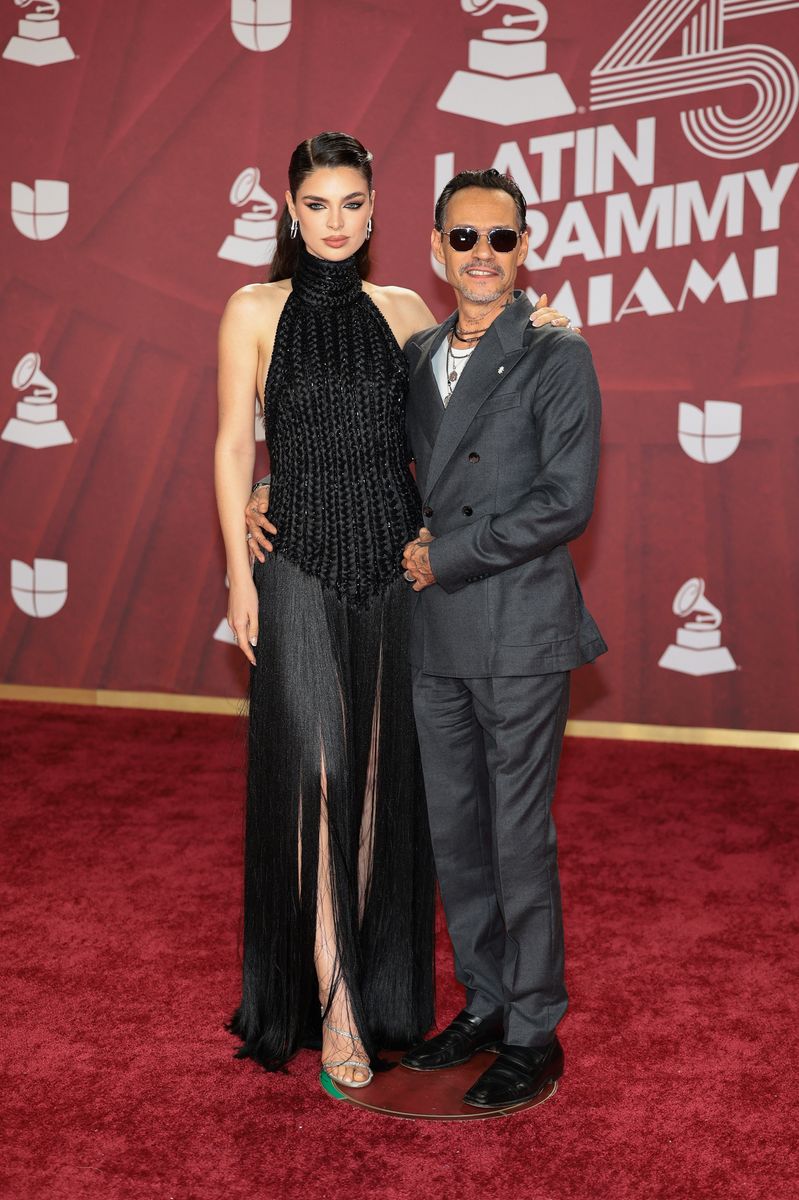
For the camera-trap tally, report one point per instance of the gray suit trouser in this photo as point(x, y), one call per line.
point(490, 751)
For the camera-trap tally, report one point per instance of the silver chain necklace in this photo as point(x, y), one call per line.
point(454, 366)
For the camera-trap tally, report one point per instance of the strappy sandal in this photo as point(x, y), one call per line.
point(329, 1066)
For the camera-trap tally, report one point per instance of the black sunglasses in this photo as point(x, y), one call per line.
point(463, 238)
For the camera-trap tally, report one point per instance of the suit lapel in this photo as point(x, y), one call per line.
point(500, 349)
point(427, 399)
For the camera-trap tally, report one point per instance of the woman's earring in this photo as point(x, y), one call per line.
point(368, 229)
point(294, 227)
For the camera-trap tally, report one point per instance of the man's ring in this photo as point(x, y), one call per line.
point(249, 535)
point(408, 576)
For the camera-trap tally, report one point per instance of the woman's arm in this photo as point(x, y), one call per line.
point(234, 455)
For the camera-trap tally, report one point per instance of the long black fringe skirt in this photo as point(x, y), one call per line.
point(330, 709)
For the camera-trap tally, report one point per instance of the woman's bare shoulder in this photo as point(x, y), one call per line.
point(401, 307)
point(391, 294)
point(257, 303)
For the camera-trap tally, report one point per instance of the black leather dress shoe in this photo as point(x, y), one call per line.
point(456, 1044)
point(519, 1074)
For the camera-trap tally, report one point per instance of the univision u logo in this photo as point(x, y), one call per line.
point(39, 590)
point(40, 212)
point(712, 434)
point(260, 24)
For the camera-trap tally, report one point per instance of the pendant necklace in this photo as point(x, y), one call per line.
point(454, 365)
point(456, 362)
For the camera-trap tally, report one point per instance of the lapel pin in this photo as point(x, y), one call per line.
point(500, 370)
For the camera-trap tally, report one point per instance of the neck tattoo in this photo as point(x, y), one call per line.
point(474, 335)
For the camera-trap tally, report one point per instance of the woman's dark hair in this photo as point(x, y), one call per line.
point(481, 179)
point(324, 150)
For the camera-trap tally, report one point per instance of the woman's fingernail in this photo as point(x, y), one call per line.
point(253, 641)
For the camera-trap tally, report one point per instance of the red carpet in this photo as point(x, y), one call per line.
point(121, 906)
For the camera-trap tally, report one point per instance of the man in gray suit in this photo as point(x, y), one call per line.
point(503, 422)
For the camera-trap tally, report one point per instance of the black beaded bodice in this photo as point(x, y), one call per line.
point(342, 499)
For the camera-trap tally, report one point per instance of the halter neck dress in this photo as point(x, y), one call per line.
point(331, 734)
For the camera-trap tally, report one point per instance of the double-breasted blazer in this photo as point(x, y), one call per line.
point(507, 474)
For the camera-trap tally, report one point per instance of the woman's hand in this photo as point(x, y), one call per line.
point(255, 516)
point(544, 315)
point(242, 616)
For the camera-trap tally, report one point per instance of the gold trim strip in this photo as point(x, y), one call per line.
point(687, 735)
point(169, 701)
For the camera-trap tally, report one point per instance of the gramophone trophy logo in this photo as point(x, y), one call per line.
point(36, 424)
point(697, 649)
point(260, 24)
point(711, 434)
point(40, 590)
point(507, 82)
point(254, 234)
point(40, 212)
point(38, 41)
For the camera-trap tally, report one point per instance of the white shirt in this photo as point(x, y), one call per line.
point(457, 361)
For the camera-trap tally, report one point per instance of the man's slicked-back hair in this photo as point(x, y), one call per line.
point(491, 180)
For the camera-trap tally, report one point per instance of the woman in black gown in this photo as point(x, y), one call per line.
point(339, 883)
point(338, 908)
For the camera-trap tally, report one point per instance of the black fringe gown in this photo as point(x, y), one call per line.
point(332, 691)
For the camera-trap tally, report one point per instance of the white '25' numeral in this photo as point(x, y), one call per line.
point(629, 73)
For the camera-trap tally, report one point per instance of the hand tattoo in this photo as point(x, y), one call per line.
point(416, 561)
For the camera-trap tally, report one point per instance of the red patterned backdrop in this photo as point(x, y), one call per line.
point(657, 145)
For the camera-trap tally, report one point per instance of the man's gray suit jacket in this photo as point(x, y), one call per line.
point(507, 475)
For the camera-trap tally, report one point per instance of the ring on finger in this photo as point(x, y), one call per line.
point(407, 575)
point(236, 638)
